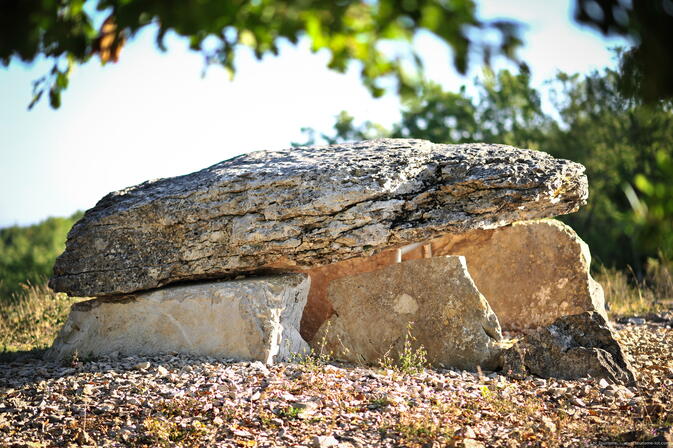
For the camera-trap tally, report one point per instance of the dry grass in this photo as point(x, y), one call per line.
point(628, 295)
point(659, 276)
point(32, 322)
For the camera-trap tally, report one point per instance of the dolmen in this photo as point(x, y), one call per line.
point(359, 247)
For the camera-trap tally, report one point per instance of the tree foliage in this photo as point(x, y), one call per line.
point(626, 145)
point(652, 223)
point(647, 69)
point(617, 139)
point(27, 254)
point(506, 109)
point(349, 30)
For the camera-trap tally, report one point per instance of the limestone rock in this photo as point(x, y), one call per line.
point(531, 273)
point(251, 319)
point(318, 306)
point(305, 207)
point(570, 348)
point(450, 319)
point(324, 441)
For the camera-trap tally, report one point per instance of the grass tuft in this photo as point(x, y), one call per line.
point(32, 322)
point(627, 295)
point(315, 359)
point(411, 360)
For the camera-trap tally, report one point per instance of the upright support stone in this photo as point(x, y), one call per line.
point(531, 273)
point(249, 319)
point(433, 298)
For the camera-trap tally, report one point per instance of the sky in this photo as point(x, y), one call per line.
point(154, 115)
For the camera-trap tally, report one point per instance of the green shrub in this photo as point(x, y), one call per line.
point(27, 254)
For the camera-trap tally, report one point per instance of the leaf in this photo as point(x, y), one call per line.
point(350, 31)
point(55, 98)
point(485, 391)
point(643, 184)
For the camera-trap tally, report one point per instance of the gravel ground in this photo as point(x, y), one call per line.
point(176, 400)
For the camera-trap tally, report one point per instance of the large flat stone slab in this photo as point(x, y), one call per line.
point(531, 273)
point(449, 318)
point(248, 319)
point(306, 207)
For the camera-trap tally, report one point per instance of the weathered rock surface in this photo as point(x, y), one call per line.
point(319, 306)
point(306, 207)
point(450, 319)
point(249, 319)
point(572, 347)
point(531, 273)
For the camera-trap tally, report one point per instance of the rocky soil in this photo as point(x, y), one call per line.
point(174, 400)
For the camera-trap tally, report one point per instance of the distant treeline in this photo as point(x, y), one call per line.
point(27, 254)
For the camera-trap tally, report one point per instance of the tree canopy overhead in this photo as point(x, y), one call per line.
point(350, 30)
point(647, 69)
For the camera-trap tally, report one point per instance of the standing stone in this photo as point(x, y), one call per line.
point(571, 347)
point(531, 273)
point(449, 318)
point(303, 207)
point(250, 319)
point(319, 305)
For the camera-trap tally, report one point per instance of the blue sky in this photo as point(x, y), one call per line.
point(153, 114)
